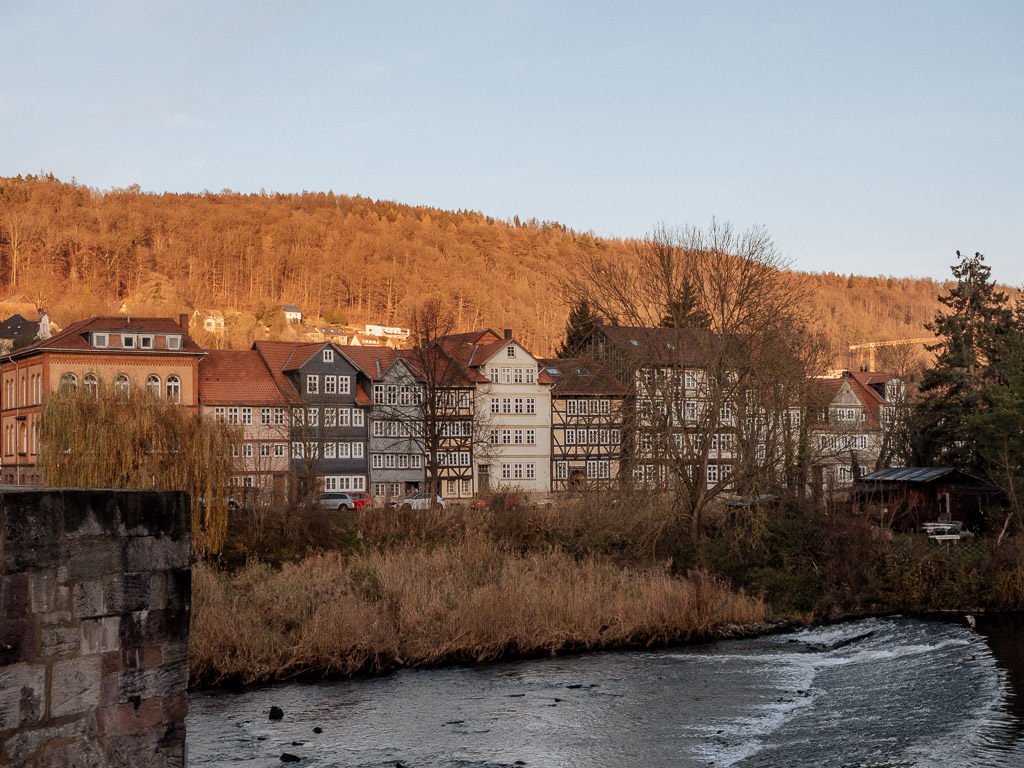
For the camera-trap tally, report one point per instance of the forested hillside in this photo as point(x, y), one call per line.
point(77, 252)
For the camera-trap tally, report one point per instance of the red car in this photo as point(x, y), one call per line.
point(361, 499)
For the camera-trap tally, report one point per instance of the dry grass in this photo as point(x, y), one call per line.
point(472, 599)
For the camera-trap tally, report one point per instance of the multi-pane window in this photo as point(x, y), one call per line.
point(357, 450)
point(506, 375)
point(506, 437)
point(517, 471)
point(344, 450)
point(493, 437)
point(392, 394)
point(506, 471)
point(247, 417)
point(519, 405)
point(233, 415)
point(561, 470)
point(519, 437)
point(492, 374)
point(570, 407)
point(712, 474)
point(357, 416)
point(328, 355)
point(344, 417)
point(279, 450)
point(531, 437)
point(265, 416)
point(531, 405)
point(378, 394)
point(152, 384)
point(531, 471)
point(330, 450)
point(506, 405)
point(312, 384)
point(517, 376)
point(510, 351)
point(265, 450)
point(247, 452)
point(279, 416)
point(344, 385)
point(219, 414)
point(531, 376)
point(330, 417)
point(330, 385)
point(415, 461)
point(570, 437)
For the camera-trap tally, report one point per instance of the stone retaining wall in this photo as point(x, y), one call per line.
point(95, 592)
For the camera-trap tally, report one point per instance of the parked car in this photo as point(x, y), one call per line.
point(337, 500)
point(419, 501)
point(361, 499)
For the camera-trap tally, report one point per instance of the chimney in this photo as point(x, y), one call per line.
point(508, 334)
point(183, 321)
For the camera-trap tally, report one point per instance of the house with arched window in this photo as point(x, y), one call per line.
point(132, 356)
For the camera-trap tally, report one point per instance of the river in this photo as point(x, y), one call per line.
point(880, 692)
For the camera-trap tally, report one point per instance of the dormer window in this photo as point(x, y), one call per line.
point(127, 342)
point(174, 342)
point(146, 342)
point(100, 339)
point(511, 350)
point(328, 355)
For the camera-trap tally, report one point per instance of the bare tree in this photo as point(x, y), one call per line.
point(709, 333)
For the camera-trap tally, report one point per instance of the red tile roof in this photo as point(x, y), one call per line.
point(229, 377)
point(471, 350)
point(669, 346)
point(373, 361)
point(75, 338)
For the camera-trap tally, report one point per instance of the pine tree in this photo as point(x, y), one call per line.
point(580, 326)
point(974, 334)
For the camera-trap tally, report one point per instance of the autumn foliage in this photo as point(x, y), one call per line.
point(79, 252)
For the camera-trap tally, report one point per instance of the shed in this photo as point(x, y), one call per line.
point(909, 496)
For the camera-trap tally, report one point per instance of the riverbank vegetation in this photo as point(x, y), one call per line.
point(423, 588)
point(448, 586)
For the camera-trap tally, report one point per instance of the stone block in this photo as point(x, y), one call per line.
point(139, 715)
point(42, 588)
point(152, 682)
point(22, 695)
point(176, 653)
point(87, 599)
point(101, 635)
point(153, 627)
point(62, 598)
point(142, 656)
point(151, 553)
point(129, 592)
point(90, 512)
point(14, 595)
point(95, 559)
point(25, 742)
point(31, 534)
point(85, 753)
point(149, 513)
point(179, 588)
point(112, 662)
point(175, 707)
point(59, 641)
point(17, 640)
point(139, 749)
point(75, 685)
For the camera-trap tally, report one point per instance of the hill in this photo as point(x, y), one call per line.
point(79, 251)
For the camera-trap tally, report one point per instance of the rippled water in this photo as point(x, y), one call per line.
point(878, 692)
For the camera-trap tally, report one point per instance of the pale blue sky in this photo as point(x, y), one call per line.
point(868, 137)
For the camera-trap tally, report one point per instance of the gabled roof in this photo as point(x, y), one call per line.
point(19, 330)
point(290, 308)
point(19, 305)
point(235, 377)
point(275, 355)
point(447, 372)
point(75, 338)
point(860, 385)
point(470, 351)
point(210, 313)
point(580, 376)
point(667, 346)
point(373, 361)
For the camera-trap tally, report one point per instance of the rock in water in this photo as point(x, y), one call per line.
point(318, 729)
point(276, 713)
point(288, 757)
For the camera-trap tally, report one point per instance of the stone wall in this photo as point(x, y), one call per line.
point(95, 592)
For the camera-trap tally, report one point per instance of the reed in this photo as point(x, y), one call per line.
point(468, 600)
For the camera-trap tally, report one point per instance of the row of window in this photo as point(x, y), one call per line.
point(396, 460)
point(330, 450)
point(20, 441)
point(513, 437)
point(843, 442)
point(517, 471)
point(333, 417)
point(587, 407)
point(513, 405)
point(714, 473)
point(453, 459)
point(333, 385)
point(345, 483)
point(510, 375)
point(592, 436)
point(395, 394)
point(597, 469)
point(134, 340)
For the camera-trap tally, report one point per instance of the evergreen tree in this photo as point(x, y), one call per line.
point(580, 326)
point(973, 339)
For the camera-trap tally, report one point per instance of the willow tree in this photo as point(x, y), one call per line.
point(99, 439)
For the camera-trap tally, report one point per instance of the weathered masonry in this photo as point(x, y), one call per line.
point(94, 614)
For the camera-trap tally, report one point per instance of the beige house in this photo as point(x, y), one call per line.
point(513, 407)
point(236, 387)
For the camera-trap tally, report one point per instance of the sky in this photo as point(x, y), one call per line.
point(867, 137)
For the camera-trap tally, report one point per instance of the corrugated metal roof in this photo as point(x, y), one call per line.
point(908, 474)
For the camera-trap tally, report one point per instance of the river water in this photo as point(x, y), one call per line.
point(877, 692)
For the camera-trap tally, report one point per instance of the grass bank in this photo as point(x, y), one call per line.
point(341, 614)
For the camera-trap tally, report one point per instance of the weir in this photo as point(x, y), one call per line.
point(95, 591)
